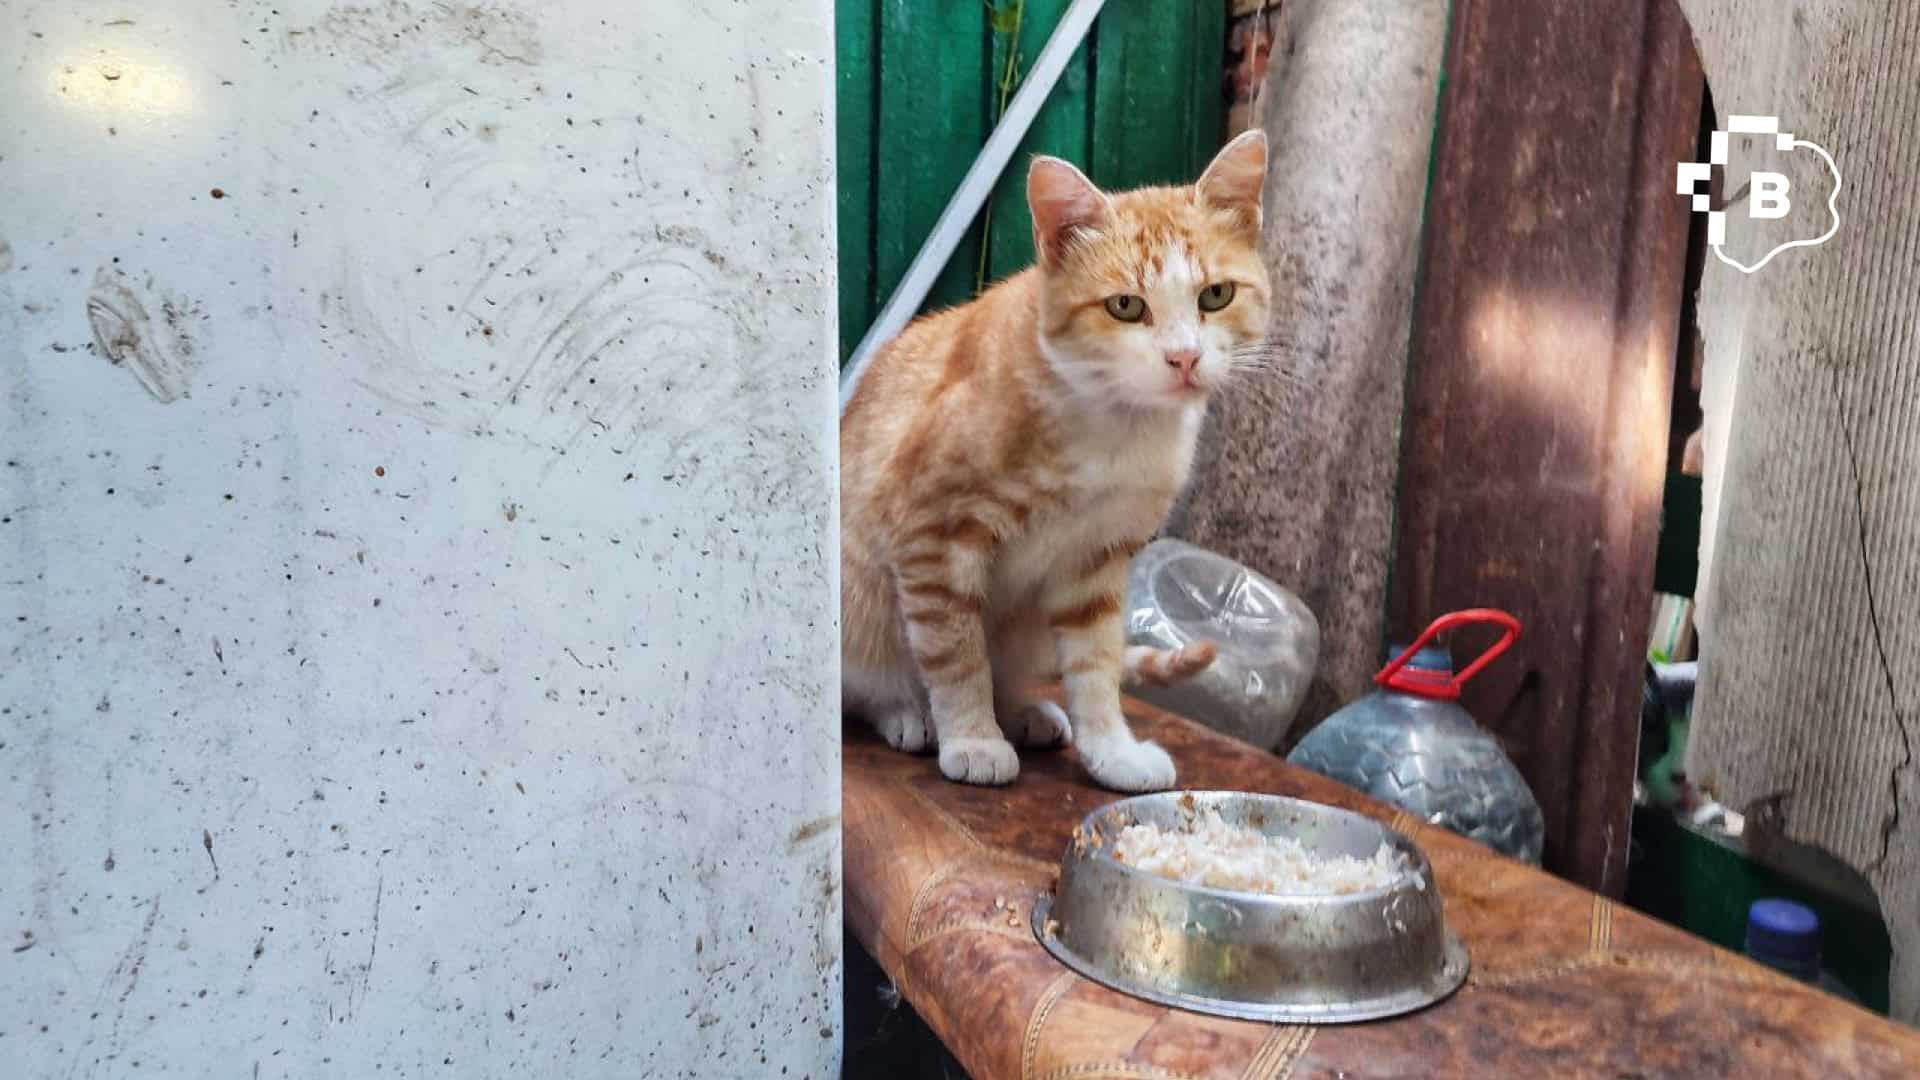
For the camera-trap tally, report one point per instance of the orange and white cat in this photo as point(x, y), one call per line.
point(1003, 461)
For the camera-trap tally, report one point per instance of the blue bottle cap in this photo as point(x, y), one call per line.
point(1784, 935)
point(1431, 658)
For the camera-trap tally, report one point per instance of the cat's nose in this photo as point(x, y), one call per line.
point(1183, 360)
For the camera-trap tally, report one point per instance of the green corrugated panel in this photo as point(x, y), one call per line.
point(1142, 93)
point(1206, 55)
point(1060, 129)
point(854, 116)
point(933, 113)
point(1140, 103)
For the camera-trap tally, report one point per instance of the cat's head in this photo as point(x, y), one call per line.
point(1147, 294)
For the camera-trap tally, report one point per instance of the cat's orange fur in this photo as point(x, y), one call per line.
point(1002, 462)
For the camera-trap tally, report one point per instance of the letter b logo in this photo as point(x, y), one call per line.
point(1770, 199)
point(1767, 192)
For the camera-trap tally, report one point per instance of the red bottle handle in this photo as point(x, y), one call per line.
point(1432, 685)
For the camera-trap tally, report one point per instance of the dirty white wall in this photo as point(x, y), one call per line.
point(416, 580)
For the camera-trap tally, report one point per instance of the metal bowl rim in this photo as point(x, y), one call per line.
point(1441, 986)
point(1419, 866)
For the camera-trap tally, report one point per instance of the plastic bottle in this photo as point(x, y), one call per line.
point(1785, 936)
point(1410, 743)
point(1269, 641)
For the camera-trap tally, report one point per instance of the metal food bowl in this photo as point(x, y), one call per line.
point(1252, 956)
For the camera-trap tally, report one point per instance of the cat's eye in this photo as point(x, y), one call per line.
point(1127, 308)
point(1216, 296)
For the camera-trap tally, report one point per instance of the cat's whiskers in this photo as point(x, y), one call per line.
point(1265, 378)
point(1267, 359)
point(1266, 347)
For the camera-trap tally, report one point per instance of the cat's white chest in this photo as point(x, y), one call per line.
point(1120, 486)
point(1128, 461)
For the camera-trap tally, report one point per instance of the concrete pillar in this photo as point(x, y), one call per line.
point(1809, 706)
point(1298, 470)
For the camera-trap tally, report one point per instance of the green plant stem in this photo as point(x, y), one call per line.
point(1006, 25)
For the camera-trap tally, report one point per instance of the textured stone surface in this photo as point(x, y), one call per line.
point(416, 540)
point(1297, 473)
point(1809, 704)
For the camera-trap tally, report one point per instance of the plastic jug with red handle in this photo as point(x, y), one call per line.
point(1410, 743)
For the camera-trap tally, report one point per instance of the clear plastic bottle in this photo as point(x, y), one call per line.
point(1269, 640)
point(1410, 743)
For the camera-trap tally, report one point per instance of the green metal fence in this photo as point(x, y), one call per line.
point(922, 82)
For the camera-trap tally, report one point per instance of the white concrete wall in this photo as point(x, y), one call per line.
point(417, 593)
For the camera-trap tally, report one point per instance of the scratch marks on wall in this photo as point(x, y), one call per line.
point(638, 341)
point(603, 349)
point(152, 338)
point(357, 992)
point(493, 35)
point(121, 981)
point(594, 296)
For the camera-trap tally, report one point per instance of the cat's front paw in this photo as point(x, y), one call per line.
point(1041, 725)
point(979, 761)
point(905, 727)
point(1126, 764)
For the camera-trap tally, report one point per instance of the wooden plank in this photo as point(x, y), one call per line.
point(1141, 53)
point(1060, 129)
point(933, 84)
point(941, 879)
point(856, 23)
point(1534, 441)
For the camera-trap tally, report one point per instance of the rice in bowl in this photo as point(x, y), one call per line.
point(1208, 851)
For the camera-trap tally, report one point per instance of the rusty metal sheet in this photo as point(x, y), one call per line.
point(1538, 398)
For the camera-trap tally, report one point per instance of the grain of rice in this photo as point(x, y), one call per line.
point(1208, 851)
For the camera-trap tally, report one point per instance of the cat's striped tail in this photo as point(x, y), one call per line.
point(1146, 665)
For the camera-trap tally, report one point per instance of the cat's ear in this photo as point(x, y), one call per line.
point(1238, 172)
point(1064, 202)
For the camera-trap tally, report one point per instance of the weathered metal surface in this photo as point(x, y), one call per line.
point(1543, 353)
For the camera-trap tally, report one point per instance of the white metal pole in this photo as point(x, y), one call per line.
point(974, 189)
